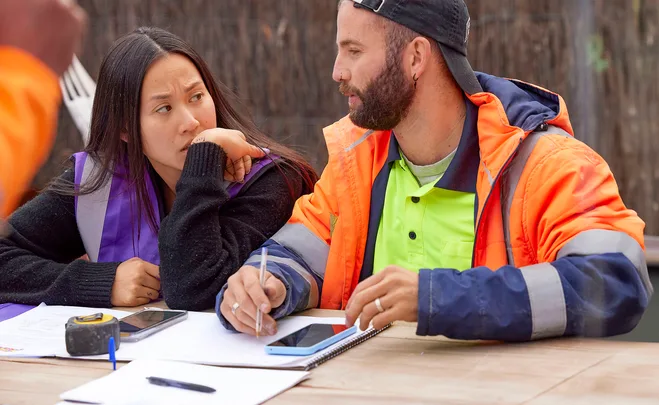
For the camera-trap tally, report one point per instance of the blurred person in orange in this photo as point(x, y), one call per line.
point(38, 39)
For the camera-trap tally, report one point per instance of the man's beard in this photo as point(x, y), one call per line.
point(386, 100)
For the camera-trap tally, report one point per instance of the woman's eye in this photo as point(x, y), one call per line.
point(196, 97)
point(164, 109)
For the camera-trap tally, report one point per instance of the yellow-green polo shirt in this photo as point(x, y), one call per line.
point(423, 226)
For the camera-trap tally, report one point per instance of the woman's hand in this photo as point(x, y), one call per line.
point(239, 151)
point(136, 283)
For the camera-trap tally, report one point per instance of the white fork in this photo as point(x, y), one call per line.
point(78, 90)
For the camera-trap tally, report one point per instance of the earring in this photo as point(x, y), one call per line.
point(415, 79)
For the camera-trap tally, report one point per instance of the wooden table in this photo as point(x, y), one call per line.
point(398, 367)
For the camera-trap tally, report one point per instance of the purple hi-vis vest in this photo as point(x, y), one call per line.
point(107, 218)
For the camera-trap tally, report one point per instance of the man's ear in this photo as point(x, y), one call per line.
point(420, 55)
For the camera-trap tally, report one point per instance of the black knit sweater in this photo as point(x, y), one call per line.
point(203, 240)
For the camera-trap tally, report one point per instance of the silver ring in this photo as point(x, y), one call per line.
point(234, 307)
point(378, 305)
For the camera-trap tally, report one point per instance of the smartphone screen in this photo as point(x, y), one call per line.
point(310, 335)
point(145, 319)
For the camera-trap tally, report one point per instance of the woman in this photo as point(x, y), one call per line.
point(146, 200)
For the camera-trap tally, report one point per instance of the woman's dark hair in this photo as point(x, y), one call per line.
point(117, 109)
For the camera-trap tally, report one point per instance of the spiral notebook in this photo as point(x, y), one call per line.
point(308, 363)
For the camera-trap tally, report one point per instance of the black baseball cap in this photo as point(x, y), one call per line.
point(445, 21)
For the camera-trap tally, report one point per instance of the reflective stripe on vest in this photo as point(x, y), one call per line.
point(299, 239)
point(90, 208)
point(601, 241)
point(512, 175)
point(547, 301)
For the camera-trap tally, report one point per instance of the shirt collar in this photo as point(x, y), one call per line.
point(461, 174)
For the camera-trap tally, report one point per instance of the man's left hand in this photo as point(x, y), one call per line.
point(397, 290)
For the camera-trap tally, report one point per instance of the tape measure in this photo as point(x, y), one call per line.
point(89, 335)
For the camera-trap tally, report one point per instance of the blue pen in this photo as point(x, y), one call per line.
point(113, 359)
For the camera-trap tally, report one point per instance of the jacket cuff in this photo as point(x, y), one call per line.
point(94, 284)
point(425, 302)
point(218, 302)
point(204, 159)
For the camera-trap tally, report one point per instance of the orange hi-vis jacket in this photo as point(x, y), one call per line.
point(556, 252)
point(29, 101)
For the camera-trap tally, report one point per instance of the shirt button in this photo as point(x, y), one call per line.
point(415, 200)
point(412, 235)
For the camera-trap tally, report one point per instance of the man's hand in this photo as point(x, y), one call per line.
point(398, 291)
point(244, 294)
point(51, 30)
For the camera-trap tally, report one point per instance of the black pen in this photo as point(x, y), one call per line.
point(166, 382)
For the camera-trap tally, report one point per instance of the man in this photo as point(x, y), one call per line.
point(37, 41)
point(467, 206)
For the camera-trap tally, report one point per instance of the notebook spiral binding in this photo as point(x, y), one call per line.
point(322, 358)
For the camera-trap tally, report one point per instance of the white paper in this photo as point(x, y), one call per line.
point(199, 339)
point(128, 385)
point(39, 332)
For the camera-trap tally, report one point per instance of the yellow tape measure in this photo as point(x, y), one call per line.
point(89, 335)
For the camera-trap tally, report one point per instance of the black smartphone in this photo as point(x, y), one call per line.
point(145, 323)
point(310, 339)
